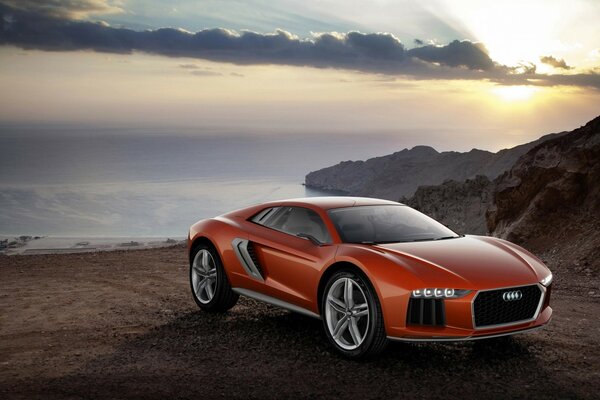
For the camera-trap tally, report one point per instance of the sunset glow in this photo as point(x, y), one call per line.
point(379, 67)
point(515, 93)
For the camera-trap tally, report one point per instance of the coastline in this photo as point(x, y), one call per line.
point(31, 245)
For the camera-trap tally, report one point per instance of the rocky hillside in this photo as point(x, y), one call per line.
point(549, 201)
point(461, 206)
point(400, 174)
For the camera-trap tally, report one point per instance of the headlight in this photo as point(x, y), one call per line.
point(547, 280)
point(439, 293)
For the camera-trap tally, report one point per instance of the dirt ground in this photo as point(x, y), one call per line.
point(123, 324)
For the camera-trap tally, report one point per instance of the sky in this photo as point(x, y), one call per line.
point(458, 74)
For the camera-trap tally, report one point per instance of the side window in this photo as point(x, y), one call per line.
point(278, 218)
point(271, 217)
point(262, 216)
point(296, 220)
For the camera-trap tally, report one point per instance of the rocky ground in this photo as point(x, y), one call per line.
point(123, 324)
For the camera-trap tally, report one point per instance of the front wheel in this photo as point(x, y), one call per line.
point(352, 315)
point(208, 280)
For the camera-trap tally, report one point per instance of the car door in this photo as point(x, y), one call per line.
point(291, 264)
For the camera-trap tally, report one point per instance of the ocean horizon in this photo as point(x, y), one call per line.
point(92, 182)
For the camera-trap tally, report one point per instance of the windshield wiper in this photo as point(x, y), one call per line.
point(432, 239)
point(447, 237)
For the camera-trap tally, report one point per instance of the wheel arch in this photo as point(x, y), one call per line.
point(330, 271)
point(198, 240)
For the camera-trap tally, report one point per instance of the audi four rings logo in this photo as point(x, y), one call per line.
point(512, 296)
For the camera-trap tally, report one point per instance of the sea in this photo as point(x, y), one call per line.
point(94, 181)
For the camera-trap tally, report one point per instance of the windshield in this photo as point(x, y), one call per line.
point(386, 224)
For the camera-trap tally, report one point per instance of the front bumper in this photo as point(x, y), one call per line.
point(477, 336)
point(459, 324)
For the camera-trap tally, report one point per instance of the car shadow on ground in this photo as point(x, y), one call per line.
point(256, 351)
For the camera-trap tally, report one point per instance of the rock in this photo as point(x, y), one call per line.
point(461, 206)
point(549, 201)
point(400, 174)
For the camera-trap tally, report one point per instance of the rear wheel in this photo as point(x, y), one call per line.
point(352, 315)
point(210, 287)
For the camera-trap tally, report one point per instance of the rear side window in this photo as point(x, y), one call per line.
point(262, 216)
point(294, 220)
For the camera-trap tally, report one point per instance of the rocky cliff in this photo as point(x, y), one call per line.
point(549, 201)
point(461, 206)
point(400, 174)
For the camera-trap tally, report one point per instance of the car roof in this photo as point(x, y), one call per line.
point(322, 202)
point(329, 202)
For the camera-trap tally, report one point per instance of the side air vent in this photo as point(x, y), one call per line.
point(426, 312)
point(254, 257)
point(247, 257)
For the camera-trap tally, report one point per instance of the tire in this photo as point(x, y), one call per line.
point(206, 266)
point(353, 324)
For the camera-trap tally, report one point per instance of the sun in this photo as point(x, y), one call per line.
point(514, 31)
point(514, 93)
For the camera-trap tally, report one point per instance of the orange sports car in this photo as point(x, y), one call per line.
point(372, 270)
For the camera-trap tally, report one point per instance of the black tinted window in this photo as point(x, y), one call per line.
point(384, 224)
point(295, 220)
point(262, 216)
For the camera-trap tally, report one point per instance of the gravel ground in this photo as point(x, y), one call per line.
point(123, 324)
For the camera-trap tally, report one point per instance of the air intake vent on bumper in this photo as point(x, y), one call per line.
point(426, 312)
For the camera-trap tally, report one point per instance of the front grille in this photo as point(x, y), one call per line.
point(426, 312)
point(490, 308)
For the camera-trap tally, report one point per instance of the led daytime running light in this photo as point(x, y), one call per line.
point(439, 293)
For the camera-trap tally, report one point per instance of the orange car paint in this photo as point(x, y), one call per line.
point(294, 267)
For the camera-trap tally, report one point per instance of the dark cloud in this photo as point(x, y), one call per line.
point(555, 62)
point(367, 52)
point(590, 79)
point(372, 52)
point(523, 68)
point(65, 8)
point(456, 54)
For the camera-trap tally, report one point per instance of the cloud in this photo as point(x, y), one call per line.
point(554, 62)
point(205, 72)
point(381, 53)
point(370, 52)
point(199, 71)
point(66, 8)
point(188, 66)
point(456, 54)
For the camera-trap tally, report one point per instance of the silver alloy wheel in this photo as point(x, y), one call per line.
point(204, 276)
point(347, 313)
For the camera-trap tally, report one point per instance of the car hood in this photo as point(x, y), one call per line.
point(468, 262)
